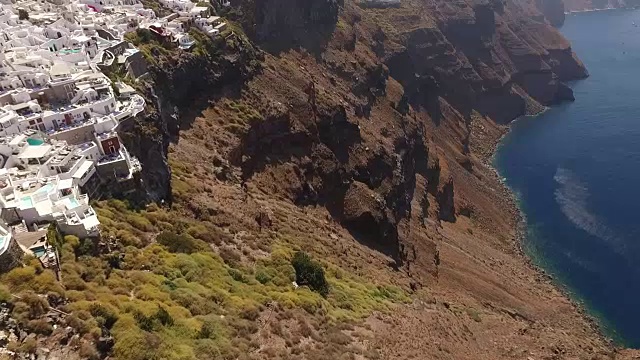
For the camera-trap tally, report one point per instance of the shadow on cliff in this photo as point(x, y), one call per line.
point(281, 25)
point(182, 87)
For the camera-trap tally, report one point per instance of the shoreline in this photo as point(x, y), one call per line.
point(603, 9)
point(521, 235)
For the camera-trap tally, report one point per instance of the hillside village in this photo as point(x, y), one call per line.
point(60, 113)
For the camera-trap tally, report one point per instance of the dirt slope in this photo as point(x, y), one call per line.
point(366, 137)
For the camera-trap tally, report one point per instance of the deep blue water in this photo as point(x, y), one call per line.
point(576, 172)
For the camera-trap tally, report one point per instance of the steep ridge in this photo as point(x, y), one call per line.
point(380, 120)
point(359, 132)
point(441, 72)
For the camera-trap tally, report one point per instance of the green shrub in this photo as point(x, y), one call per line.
point(262, 277)
point(53, 236)
point(210, 330)
point(5, 294)
point(18, 277)
point(107, 315)
point(181, 243)
point(36, 305)
point(237, 275)
point(86, 247)
point(153, 322)
point(29, 346)
point(164, 317)
point(39, 326)
point(310, 273)
point(72, 240)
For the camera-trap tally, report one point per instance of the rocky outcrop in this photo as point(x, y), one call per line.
point(12, 257)
point(282, 24)
point(180, 82)
point(367, 216)
point(478, 56)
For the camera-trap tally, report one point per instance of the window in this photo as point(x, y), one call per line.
point(106, 108)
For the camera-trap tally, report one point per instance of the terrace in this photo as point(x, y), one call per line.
point(119, 156)
point(72, 126)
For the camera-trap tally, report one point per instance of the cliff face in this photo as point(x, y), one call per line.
point(363, 138)
point(181, 85)
point(441, 70)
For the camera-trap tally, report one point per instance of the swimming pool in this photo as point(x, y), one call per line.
point(26, 202)
point(45, 189)
point(39, 251)
point(71, 203)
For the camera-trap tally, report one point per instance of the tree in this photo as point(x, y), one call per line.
point(310, 273)
point(23, 14)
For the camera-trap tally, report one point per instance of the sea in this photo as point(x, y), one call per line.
point(575, 170)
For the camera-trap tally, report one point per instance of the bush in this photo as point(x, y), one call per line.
point(29, 346)
point(30, 306)
point(262, 277)
point(163, 316)
point(5, 294)
point(237, 275)
point(107, 314)
point(18, 277)
point(310, 273)
point(86, 247)
point(181, 243)
point(72, 240)
point(211, 330)
point(153, 322)
point(53, 236)
point(40, 326)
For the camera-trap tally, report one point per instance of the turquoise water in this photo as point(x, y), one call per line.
point(39, 251)
point(72, 203)
point(26, 202)
point(35, 142)
point(45, 189)
point(576, 171)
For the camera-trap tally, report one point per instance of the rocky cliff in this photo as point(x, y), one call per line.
point(360, 133)
point(363, 137)
point(355, 132)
